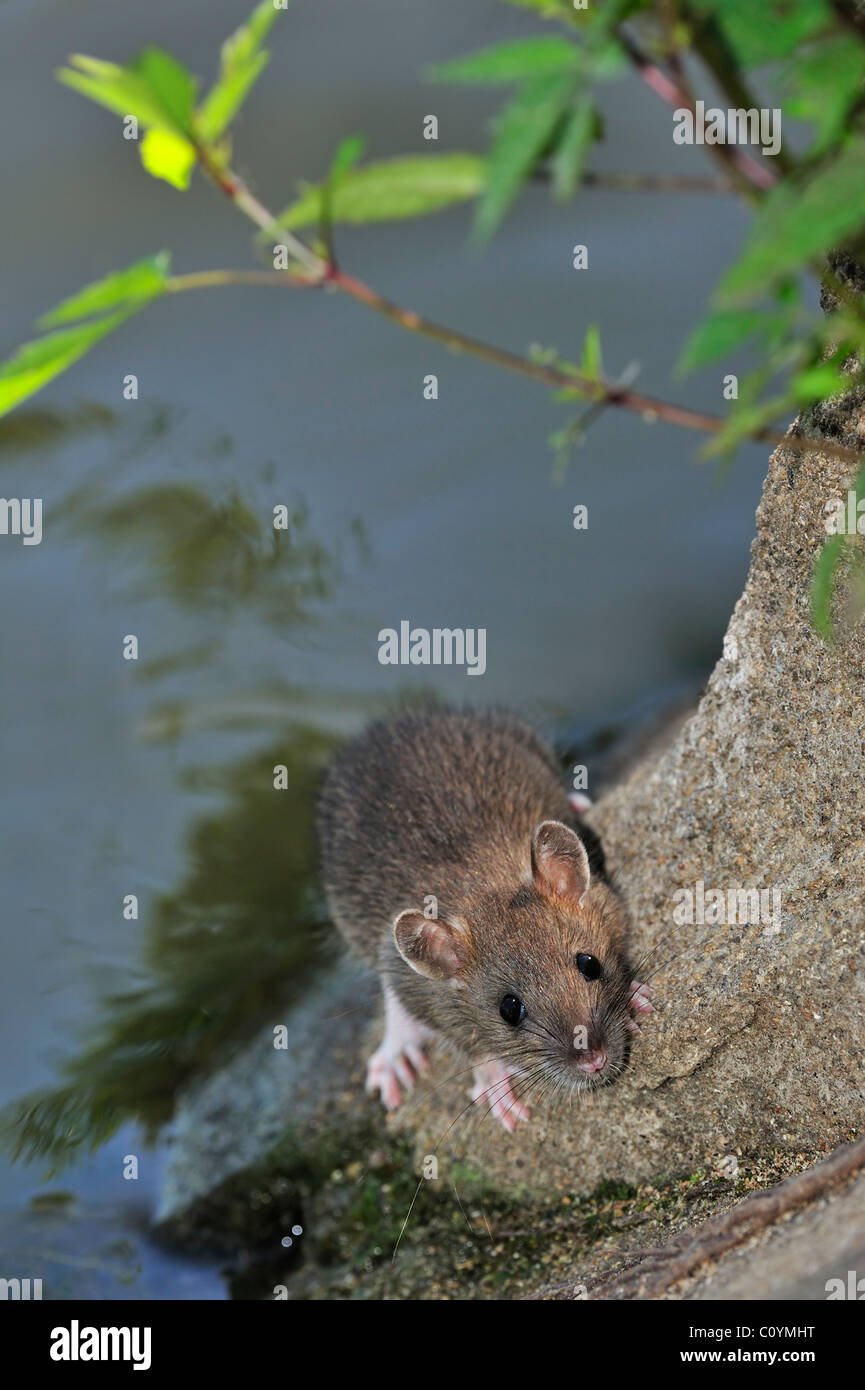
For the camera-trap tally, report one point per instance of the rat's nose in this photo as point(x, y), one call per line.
point(591, 1062)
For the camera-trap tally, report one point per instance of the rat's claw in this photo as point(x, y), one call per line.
point(417, 1058)
point(633, 1028)
point(493, 1088)
point(402, 1067)
point(641, 998)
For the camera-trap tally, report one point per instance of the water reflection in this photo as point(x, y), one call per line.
point(28, 431)
point(177, 541)
point(240, 934)
point(236, 940)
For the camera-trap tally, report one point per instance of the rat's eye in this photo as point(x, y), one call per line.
point(589, 967)
point(512, 1010)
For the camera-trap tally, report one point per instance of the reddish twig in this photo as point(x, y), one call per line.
point(322, 272)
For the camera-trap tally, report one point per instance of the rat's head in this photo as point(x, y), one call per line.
point(539, 974)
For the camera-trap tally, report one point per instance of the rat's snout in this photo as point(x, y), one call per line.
point(591, 1050)
point(591, 1061)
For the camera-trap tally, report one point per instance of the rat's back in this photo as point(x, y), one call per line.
point(439, 802)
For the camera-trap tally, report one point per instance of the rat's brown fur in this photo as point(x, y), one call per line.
point(445, 803)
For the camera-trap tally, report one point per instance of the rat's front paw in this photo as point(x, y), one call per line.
point(640, 1002)
point(493, 1088)
point(395, 1066)
point(390, 1071)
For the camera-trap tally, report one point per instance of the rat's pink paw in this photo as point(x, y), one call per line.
point(641, 1002)
point(389, 1074)
point(395, 1066)
point(641, 998)
point(579, 803)
point(493, 1088)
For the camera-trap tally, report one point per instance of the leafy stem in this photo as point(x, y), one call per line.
point(545, 131)
point(565, 378)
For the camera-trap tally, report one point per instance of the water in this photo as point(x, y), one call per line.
point(444, 513)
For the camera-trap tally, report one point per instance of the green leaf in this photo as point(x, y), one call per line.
point(168, 156)
point(138, 283)
point(523, 130)
point(718, 335)
point(246, 40)
point(347, 155)
point(171, 83)
point(797, 223)
point(819, 383)
point(515, 61)
point(38, 362)
point(155, 88)
point(391, 189)
point(115, 87)
point(822, 86)
point(770, 29)
point(592, 363)
point(573, 148)
point(242, 60)
point(823, 586)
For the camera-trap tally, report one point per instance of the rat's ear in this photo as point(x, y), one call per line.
point(560, 865)
point(431, 945)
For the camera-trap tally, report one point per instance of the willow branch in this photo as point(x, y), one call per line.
point(565, 379)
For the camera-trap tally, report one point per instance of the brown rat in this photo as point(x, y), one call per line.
point(449, 865)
